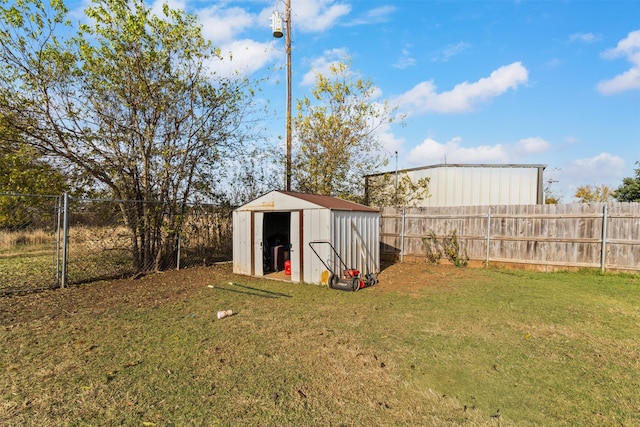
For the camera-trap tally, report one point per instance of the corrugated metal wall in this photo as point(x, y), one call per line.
point(471, 186)
point(316, 226)
point(356, 236)
point(476, 185)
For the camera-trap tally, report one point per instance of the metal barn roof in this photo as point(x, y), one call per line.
point(329, 202)
point(284, 200)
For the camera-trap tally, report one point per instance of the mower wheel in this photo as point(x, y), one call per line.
point(333, 279)
point(355, 284)
point(371, 279)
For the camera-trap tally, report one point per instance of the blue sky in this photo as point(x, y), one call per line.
point(550, 82)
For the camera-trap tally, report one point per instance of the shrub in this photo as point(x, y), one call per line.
point(449, 246)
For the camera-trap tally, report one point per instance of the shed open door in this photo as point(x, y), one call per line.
point(257, 254)
point(296, 247)
point(242, 241)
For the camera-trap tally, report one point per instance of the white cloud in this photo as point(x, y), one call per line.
point(405, 61)
point(584, 37)
point(602, 167)
point(380, 13)
point(222, 25)
point(374, 16)
point(322, 64)
point(570, 140)
point(464, 97)
point(431, 151)
point(553, 63)
point(390, 142)
point(245, 57)
point(450, 51)
point(310, 16)
point(156, 7)
point(533, 145)
point(628, 47)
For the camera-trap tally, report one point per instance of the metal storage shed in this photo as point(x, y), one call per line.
point(280, 224)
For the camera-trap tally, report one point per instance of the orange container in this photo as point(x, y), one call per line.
point(287, 268)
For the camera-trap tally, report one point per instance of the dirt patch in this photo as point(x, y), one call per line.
point(148, 291)
point(172, 286)
point(412, 277)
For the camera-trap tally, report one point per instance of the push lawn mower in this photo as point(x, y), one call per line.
point(349, 279)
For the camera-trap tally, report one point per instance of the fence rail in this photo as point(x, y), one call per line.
point(605, 236)
point(51, 241)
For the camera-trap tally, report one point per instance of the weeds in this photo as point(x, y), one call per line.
point(448, 246)
point(433, 248)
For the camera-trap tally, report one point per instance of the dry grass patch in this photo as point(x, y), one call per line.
point(11, 240)
point(476, 348)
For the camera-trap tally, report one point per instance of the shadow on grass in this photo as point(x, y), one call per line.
point(254, 291)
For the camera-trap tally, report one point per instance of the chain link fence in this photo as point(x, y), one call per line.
point(52, 241)
point(29, 242)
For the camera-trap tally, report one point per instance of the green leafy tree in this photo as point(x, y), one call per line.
point(131, 101)
point(593, 193)
point(24, 179)
point(629, 191)
point(22, 173)
point(23, 170)
point(337, 134)
point(249, 182)
point(387, 189)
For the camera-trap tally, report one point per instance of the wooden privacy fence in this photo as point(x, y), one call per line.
point(546, 237)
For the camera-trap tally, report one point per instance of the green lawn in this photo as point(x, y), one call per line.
point(27, 270)
point(487, 347)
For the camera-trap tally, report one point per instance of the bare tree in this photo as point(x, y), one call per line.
point(132, 100)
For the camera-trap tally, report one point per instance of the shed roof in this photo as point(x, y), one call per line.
point(329, 202)
point(277, 200)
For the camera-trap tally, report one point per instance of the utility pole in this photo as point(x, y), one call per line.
point(287, 42)
point(276, 25)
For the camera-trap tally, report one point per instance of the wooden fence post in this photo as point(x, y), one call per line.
point(402, 238)
point(488, 235)
point(603, 254)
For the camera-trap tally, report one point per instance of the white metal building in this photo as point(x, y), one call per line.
point(281, 224)
point(477, 184)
